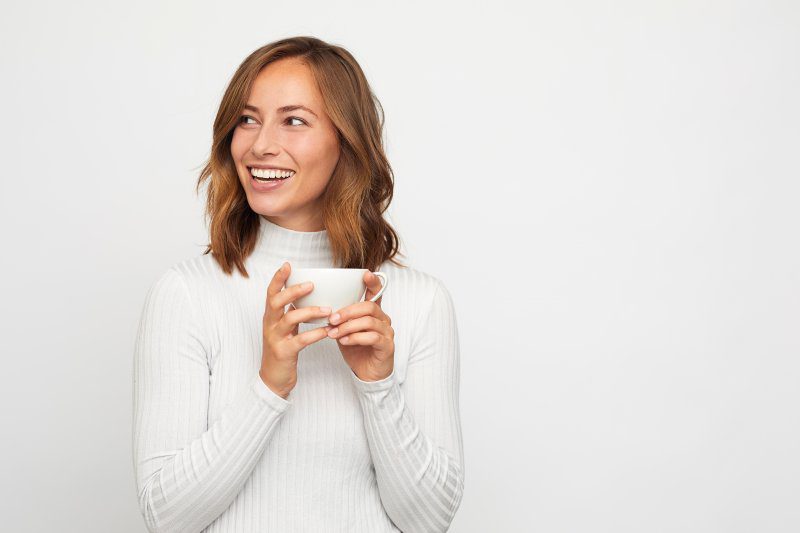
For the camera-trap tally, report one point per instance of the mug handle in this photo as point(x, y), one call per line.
point(384, 283)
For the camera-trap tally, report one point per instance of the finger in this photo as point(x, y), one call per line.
point(365, 308)
point(308, 337)
point(364, 323)
point(273, 313)
point(362, 338)
point(290, 294)
point(294, 317)
point(374, 285)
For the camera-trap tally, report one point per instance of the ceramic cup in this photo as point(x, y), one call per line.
point(333, 287)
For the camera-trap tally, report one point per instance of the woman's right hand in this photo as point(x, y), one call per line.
point(281, 341)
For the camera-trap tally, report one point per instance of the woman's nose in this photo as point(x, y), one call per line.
point(266, 143)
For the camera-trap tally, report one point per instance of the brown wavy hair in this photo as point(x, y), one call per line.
point(361, 186)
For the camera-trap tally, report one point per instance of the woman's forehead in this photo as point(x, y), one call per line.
point(286, 78)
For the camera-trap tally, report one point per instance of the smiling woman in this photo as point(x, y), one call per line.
point(303, 106)
point(286, 142)
point(247, 417)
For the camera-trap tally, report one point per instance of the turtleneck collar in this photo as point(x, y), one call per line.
point(303, 249)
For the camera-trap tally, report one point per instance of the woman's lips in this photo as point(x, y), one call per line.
point(270, 185)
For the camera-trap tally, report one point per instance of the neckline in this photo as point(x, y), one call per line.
point(300, 248)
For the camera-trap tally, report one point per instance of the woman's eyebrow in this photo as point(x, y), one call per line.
point(283, 109)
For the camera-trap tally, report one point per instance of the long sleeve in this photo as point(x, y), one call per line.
point(187, 474)
point(414, 430)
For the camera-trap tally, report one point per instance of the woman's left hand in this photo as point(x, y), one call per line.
point(364, 334)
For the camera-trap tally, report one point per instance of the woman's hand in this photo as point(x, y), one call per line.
point(281, 341)
point(364, 334)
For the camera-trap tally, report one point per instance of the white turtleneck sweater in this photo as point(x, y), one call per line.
point(216, 450)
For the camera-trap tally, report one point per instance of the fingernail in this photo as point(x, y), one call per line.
point(325, 309)
point(333, 332)
point(334, 318)
point(307, 285)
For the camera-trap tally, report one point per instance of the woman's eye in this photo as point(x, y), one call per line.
point(243, 119)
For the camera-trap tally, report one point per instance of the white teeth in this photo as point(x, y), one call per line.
point(263, 173)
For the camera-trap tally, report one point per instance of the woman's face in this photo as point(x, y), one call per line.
point(272, 132)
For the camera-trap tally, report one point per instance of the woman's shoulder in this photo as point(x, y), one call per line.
point(198, 268)
point(195, 274)
point(411, 278)
point(200, 282)
point(410, 288)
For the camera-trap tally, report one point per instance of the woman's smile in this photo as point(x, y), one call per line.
point(268, 179)
point(285, 127)
point(267, 184)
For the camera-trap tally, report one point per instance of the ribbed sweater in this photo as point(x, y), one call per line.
point(216, 450)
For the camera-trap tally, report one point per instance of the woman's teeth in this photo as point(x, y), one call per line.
point(264, 174)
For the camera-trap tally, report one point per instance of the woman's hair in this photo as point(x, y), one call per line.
point(360, 188)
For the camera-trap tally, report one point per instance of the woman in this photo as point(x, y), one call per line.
point(247, 419)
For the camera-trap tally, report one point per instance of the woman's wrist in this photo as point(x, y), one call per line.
point(378, 374)
point(277, 390)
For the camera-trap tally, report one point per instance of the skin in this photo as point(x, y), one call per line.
point(305, 141)
point(299, 140)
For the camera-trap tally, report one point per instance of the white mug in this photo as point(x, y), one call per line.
point(333, 287)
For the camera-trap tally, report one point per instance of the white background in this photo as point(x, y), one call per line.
point(608, 189)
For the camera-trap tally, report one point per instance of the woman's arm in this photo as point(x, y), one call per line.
point(187, 474)
point(414, 430)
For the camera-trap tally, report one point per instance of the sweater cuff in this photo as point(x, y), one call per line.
point(374, 386)
point(275, 401)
